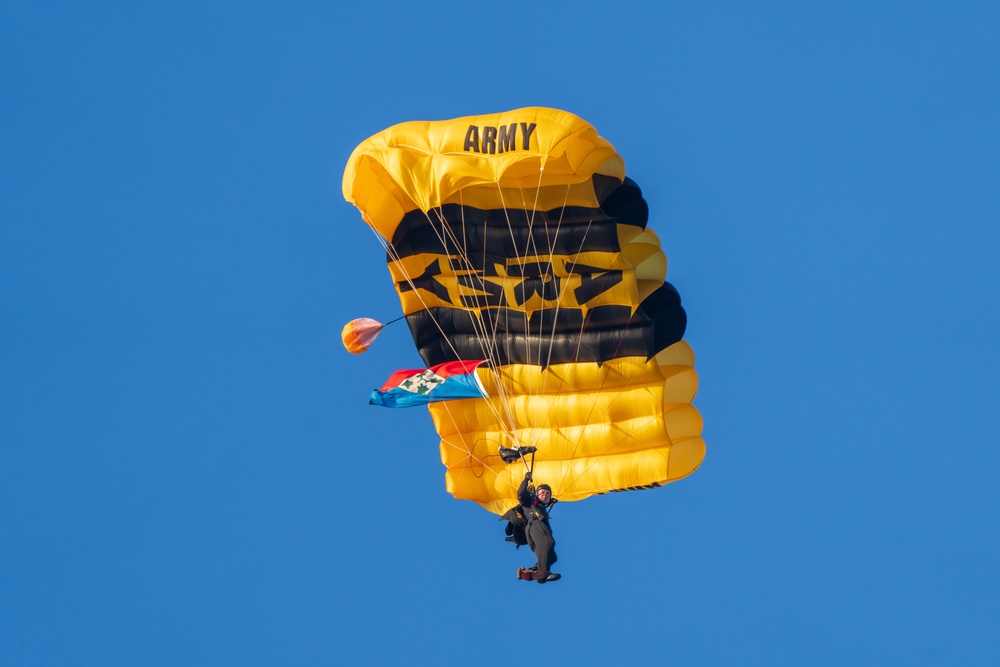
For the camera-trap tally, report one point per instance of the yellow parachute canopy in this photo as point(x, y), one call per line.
point(518, 239)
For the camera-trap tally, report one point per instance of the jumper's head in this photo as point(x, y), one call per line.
point(544, 493)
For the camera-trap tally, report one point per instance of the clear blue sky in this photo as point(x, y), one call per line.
point(189, 470)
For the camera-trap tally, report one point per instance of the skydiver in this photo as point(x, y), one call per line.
point(531, 518)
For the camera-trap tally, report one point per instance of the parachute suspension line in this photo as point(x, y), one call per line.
point(562, 290)
point(634, 375)
point(495, 325)
point(605, 376)
point(489, 403)
point(506, 311)
point(538, 389)
point(621, 392)
point(387, 246)
point(597, 458)
point(443, 238)
point(396, 259)
point(549, 271)
point(521, 261)
point(520, 264)
point(478, 326)
point(600, 389)
point(603, 381)
point(528, 244)
point(470, 452)
point(409, 279)
point(576, 357)
point(579, 338)
point(534, 389)
point(531, 240)
point(497, 371)
point(492, 337)
point(460, 249)
point(463, 251)
point(500, 380)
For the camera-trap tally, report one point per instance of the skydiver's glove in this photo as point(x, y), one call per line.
point(527, 476)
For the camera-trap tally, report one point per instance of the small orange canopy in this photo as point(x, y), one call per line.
point(359, 334)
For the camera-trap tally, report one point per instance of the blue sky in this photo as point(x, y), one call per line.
point(189, 470)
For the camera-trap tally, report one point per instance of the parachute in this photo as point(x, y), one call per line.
point(359, 334)
point(517, 238)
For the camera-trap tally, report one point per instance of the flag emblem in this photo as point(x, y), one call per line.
point(423, 383)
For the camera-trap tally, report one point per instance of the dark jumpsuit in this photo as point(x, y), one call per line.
point(538, 532)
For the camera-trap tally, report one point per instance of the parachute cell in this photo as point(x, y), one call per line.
point(517, 238)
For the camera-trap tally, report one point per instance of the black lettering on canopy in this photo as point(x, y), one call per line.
point(472, 139)
point(426, 281)
point(490, 294)
point(594, 281)
point(489, 140)
point(550, 335)
point(538, 278)
point(507, 137)
point(526, 131)
point(530, 269)
point(488, 251)
point(546, 287)
point(483, 265)
point(504, 135)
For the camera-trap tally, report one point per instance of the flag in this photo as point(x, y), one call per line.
point(444, 382)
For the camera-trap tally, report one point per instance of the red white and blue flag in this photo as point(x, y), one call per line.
point(445, 382)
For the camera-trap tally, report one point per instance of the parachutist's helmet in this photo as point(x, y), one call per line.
point(546, 487)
